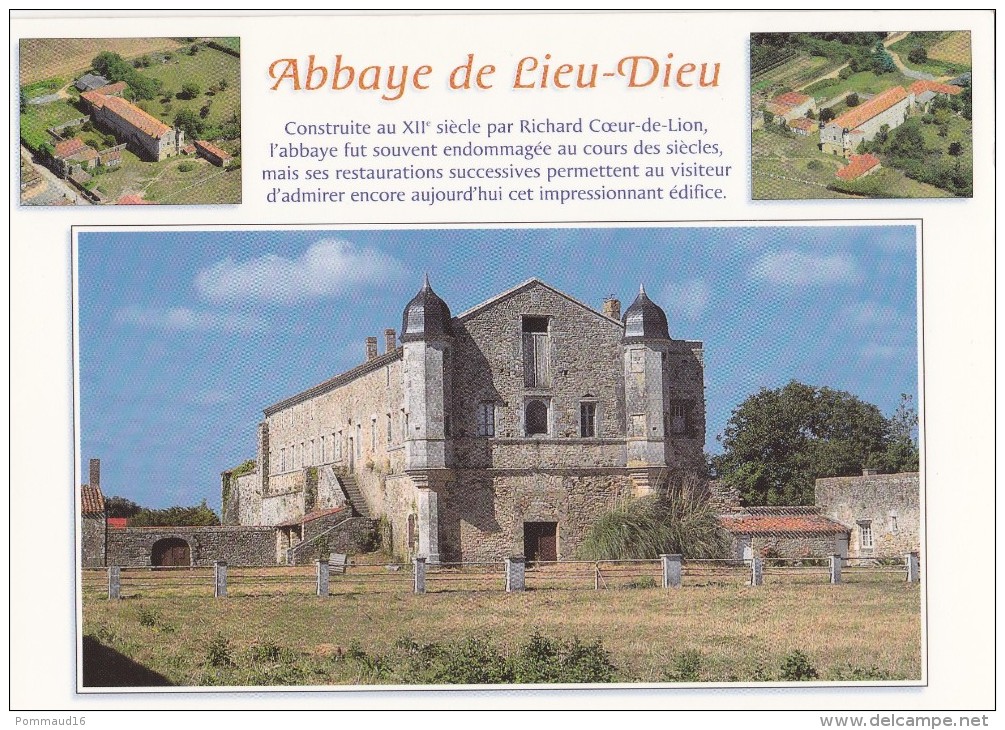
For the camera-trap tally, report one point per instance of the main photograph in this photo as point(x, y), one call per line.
point(467, 456)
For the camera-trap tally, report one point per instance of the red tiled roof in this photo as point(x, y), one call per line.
point(790, 99)
point(110, 155)
point(867, 110)
point(857, 166)
point(803, 123)
point(773, 524)
point(116, 523)
point(310, 516)
point(92, 501)
point(69, 147)
point(128, 111)
point(132, 199)
point(918, 87)
point(212, 149)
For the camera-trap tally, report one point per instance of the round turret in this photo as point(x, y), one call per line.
point(426, 317)
point(645, 320)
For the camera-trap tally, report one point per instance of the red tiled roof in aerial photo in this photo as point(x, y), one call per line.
point(132, 199)
point(807, 125)
point(919, 87)
point(128, 111)
point(790, 99)
point(212, 149)
point(111, 89)
point(857, 166)
point(92, 501)
point(868, 109)
point(774, 524)
point(69, 147)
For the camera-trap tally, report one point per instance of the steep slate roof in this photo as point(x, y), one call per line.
point(767, 524)
point(865, 111)
point(128, 111)
point(92, 501)
point(857, 166)
point(645, 320)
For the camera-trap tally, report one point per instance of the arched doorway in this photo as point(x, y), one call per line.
point(171, 551)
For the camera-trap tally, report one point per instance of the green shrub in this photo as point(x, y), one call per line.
point(679, 520)
point(218, 652)
point(148, 617)
point(796, 667)
point(186, 166)
point(849, 673)
point(685, 666)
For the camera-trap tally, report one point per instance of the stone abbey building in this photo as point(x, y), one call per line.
point(505, 430)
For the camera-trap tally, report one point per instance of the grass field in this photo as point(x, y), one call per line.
point(206, 68)
point(728, 633)
point(37, 119)
point(792, 168)
point(41, 58)
point(164, 182)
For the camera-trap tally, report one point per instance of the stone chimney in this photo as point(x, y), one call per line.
point(94, 473)
point(612, 308)
point(371, 348)
point(389, 340)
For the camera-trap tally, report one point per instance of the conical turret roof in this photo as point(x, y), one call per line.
point(645, 320)
point(426, 317)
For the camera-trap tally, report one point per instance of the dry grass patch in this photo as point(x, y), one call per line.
point(42, 58)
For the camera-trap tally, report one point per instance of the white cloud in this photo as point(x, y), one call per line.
point(875, 351)
point(798, 269)
point(871, 314)
point(688, 298)
point(327, 268)
point(191, 320)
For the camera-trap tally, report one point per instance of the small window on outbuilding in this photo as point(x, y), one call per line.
point(865, 541)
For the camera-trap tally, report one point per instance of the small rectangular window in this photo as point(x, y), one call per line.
point(893, 523)
point(865, 534)
point(588, 419)
point(485, 419)
point(373, 434)
point(446, 426)
point(388, 428)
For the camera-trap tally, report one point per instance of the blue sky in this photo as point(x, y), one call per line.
point(185, 336)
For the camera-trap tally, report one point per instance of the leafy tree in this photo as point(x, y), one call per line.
point(777, 442)
point(881, 60)
point(190, 90)
point(918, 55)
point(189, 121)
point(826, 114)
point(121, 507)
point(955, 149)
point(907, 141)
point(175, 517)
point(852, 99)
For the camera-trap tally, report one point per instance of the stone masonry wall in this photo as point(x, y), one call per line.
point(585, 364)
point(92, 540)
point(355, 412)
point(133, 546)
point(685, 387)
point(482, 516)
point(890, 502)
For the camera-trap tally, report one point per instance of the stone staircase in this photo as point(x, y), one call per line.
point(352, 491)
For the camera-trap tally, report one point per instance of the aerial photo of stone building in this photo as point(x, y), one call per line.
point(146, 136)
point(507, 429)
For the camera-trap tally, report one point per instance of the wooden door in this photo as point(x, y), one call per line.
point(540, 541)
point(171, 551)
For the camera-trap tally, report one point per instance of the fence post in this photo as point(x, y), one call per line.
point(757, 571)
point(420, 575)
point(671, 571)
point(913, 567)
point(835, 569)
point(114, 581)
point(596, 576)
point(220, 579)
point(515, 574)
point(322, 578)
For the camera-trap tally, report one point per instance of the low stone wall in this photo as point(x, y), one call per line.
point(351, 536)
point(133, 546)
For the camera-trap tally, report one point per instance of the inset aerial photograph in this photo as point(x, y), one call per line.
point(861, 115)
point(130, 121)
